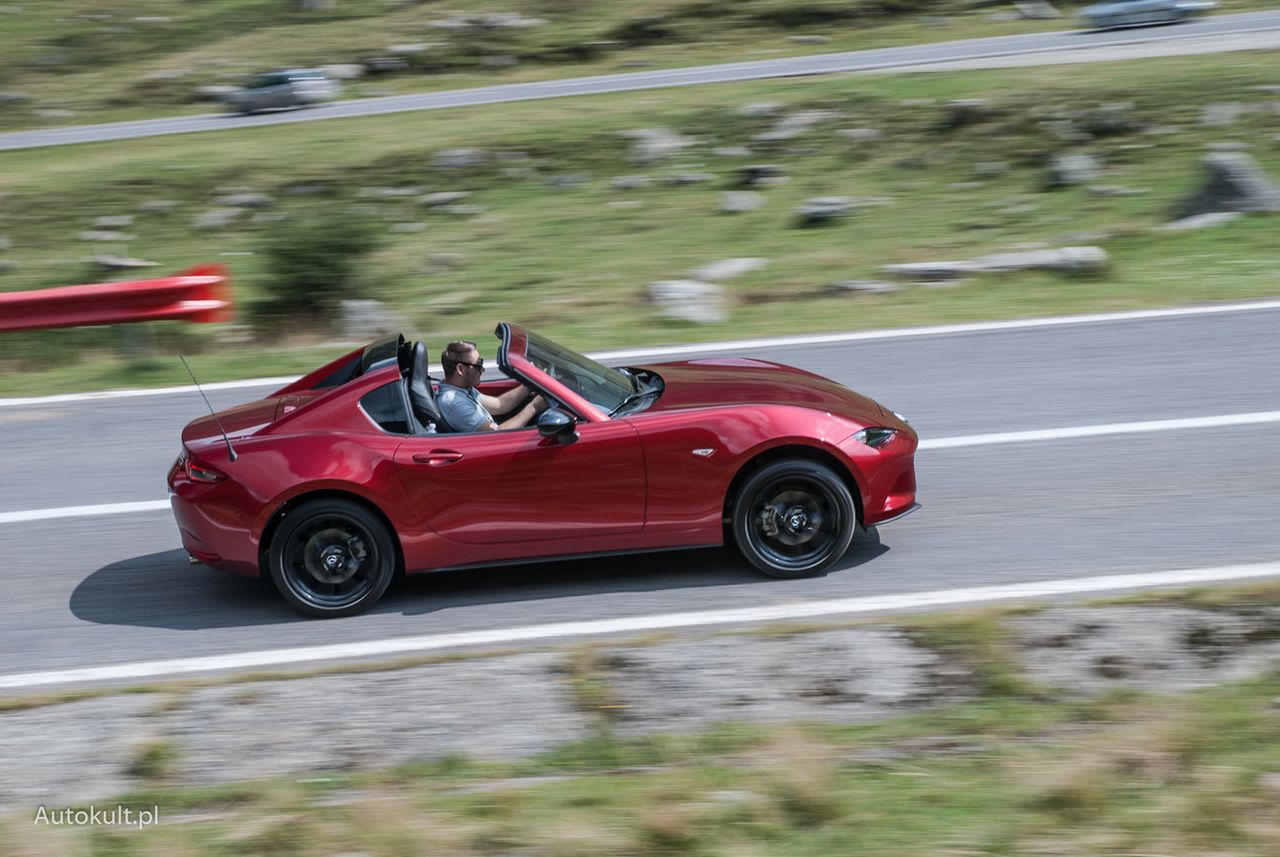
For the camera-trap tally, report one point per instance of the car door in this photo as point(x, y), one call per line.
point(517, 486)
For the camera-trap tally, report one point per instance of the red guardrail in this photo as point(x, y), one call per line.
point(201, 294)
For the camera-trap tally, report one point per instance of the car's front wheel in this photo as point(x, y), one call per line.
point(793, 518)
point(332, 557)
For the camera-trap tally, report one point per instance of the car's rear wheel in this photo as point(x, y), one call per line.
point(793, 518)
point(332, 557)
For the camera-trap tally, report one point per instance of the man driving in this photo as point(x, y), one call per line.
point(462, 404)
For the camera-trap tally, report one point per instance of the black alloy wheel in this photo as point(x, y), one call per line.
point(794, 518)
point(332, 557)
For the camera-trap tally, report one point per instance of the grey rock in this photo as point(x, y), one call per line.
point(1037, 10)
point(689, 300)
point(567, 181)
point(1106, 190)
point(119, 263)
point(759, 108)
point(462, 210)
point(5, 242)
point(630, 182)
point(861, 135)
point(649, 145)
point(808, 39)
point(1066, 260)
point(731, 152)
point(761, 175)
point(408, 227)
point(11, 98)
point(56, 113)
point(457, 159)
point(7, 265)
point(344, 71)
point(823, 210)
point(442, 198)
point(862, 287)
point(388, 192)
point(740, 201)
point(105, 235)
point(960, 112)
point(385, 65)
point(1233, 182)
point(685, 179)
point(931, 272)
point(245, 200)
point(363, 320)
point(408, 48)
point(1089, 650)
point(113, 221)
point(1071, 169)
point(728, 269)
point(217, 218)
point(157, 206)
point(438, 262)
point(1200, 221)
point(1221, 114)
point(1227, 146)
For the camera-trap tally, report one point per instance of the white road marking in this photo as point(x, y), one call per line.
point(734, 345)
point(637, 624)
point(1068, 433)
point(82, 511)
point(1100, 430)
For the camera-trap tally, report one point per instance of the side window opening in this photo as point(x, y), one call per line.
point(385, 405)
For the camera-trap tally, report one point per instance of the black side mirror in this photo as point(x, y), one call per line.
point(555, 423)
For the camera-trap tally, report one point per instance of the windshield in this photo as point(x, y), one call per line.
point(604, 387)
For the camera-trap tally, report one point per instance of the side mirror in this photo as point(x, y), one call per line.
point(555, 423)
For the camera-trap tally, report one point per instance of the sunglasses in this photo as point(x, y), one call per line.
point(479, 364)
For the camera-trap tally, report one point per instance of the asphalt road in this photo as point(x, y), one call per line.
point(115, 589)
point(907, 56)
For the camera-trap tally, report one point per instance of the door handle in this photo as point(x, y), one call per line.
point(437, 457)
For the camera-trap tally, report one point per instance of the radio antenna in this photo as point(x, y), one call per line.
point(230, 449)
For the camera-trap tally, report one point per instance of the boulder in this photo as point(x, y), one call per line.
point(653, 144)
point(105, 235)
point(761, 175)
point(1200, 221)
point(728, 269)
point(1071, 169)
point(823, 210)
point(113, 221)
point(862, 287)
point(630, 182)
point(1037, 10)
point(740, 201)
point(363, 320)
point(442, 198)
point(689, 300)
point(458, 159)
point(217, 218)
point(1221, 114)
point(344, 71)
point(1233, 182)
point(245, 200)
point(157, 206)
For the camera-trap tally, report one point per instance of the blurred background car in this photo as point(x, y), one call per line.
point(299, 87)
point(1133, 13)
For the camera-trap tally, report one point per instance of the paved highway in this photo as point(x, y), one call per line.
point(114, 589)
point(1222, 26)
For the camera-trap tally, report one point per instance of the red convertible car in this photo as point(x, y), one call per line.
point(348, 476)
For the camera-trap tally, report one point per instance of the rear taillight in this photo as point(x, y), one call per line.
point(201, 473)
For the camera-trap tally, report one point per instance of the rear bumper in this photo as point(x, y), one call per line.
point(211, 531)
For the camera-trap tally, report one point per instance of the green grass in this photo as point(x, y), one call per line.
point(574, 263)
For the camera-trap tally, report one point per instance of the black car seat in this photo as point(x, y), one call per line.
point(421, 397)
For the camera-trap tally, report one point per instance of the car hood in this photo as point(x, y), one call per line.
point(744, 381)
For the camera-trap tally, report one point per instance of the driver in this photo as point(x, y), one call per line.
point(462, 404)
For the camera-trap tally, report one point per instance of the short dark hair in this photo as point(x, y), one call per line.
point(455, 353)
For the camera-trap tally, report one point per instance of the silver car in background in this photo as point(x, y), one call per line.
point(1133, 13)
point(299, 87)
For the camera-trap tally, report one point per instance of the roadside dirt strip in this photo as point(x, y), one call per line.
point(512, 705)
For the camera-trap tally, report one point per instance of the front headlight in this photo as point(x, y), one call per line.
point(875, 437)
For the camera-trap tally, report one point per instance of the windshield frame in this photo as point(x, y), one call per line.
point(515, 358)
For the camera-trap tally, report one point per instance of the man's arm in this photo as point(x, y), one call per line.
point(535, 405)
point(506, 403)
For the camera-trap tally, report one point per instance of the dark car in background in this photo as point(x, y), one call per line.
point(299, 87)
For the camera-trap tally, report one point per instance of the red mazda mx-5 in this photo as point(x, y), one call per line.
point(343, 478)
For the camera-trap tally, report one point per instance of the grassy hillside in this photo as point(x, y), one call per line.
point(566, 221)
point(75, 61)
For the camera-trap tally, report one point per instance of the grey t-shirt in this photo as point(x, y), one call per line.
point(462, 410)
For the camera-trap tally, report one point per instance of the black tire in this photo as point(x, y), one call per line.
point(794, 518)
point(332, 557)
